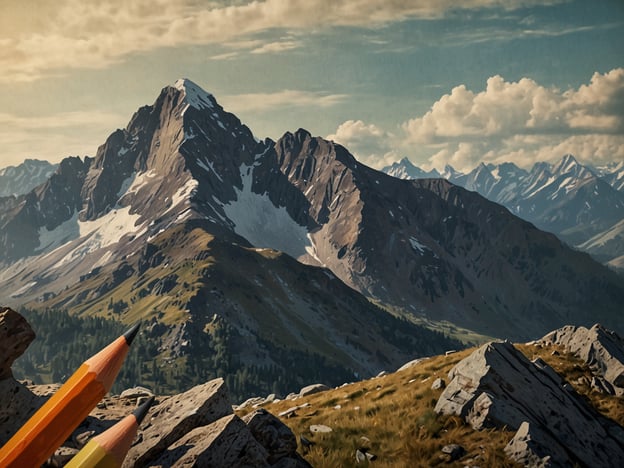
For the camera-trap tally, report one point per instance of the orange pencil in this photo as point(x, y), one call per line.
point(109, 449)
point(50, 426)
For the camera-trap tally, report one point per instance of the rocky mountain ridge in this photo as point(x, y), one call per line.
point(262, 249)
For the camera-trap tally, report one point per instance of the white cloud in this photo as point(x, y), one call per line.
point(285, 98)
point(369, 143)
point(276, 47)
point(96, 34)
point(523, 121)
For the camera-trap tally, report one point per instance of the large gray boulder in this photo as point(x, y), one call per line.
point(225, 443)
point(601, 349)
point(176, 416)
point(497, 386)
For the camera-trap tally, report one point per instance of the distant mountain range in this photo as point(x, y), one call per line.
point(285, 257)
point(21, 179)
point(582, 205)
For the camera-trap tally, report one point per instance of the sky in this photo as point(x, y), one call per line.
point(437, 81)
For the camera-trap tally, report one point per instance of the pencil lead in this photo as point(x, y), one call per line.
point(131, 333)
point(142, 410)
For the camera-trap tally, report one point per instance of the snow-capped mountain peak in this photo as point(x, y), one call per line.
point(450, 173)
point(567, 164)
point(194, 95)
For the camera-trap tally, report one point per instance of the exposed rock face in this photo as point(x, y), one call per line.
point(197, 428)
point(533, 447)
point(15, 336)
point(178, 415)
point(601, 349)
point(17, 403)
point(278, 440)
point(224, 443)
point(498, 386)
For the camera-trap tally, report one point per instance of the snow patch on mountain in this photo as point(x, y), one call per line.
point(194, 95)
point(263, 224)
point(418, 246)
point(99, 233)
point(65, 232)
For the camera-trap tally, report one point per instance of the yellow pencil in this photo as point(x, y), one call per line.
point(109, 449)
point(50, 426)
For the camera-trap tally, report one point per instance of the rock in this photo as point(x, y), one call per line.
point(176, 416)
point(601, 349)
point(225, 443)
point(383, 373)
point(454, 451)
point(320, 428)
point(498, 386)
point(410, 364)
point(276, 438)
point(600, 385)
point(15, 336)
point(17, 404)
point(531, 447)
point(252, 402)
point(61, 456)
point(290, 412)
point(136, 392)
point(438, 384)
point(312, 389)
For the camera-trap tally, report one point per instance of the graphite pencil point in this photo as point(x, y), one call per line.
point(131, 333)
point(142, 410)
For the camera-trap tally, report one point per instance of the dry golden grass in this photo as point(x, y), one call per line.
point(393, 417)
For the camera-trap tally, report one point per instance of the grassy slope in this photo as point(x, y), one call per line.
point(395, 413)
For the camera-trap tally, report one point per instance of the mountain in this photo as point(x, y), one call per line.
point(404, 169)
point(21, 179)
point(152, 229)
point(614, 175)
point(566, 198)
point(252, 257)
point(607, 246)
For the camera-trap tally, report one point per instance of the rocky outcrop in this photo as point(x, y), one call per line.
point(224, 443)
point(15, 336)
point(194, 428)
point(601, 349)
point(17, 403)
point(497, 386)
point(197, 428)
point(176, 416)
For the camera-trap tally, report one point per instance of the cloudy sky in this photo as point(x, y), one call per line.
point(488, 80)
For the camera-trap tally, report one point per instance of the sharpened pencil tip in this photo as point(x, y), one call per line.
point(130, 334)
point(142, 410)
